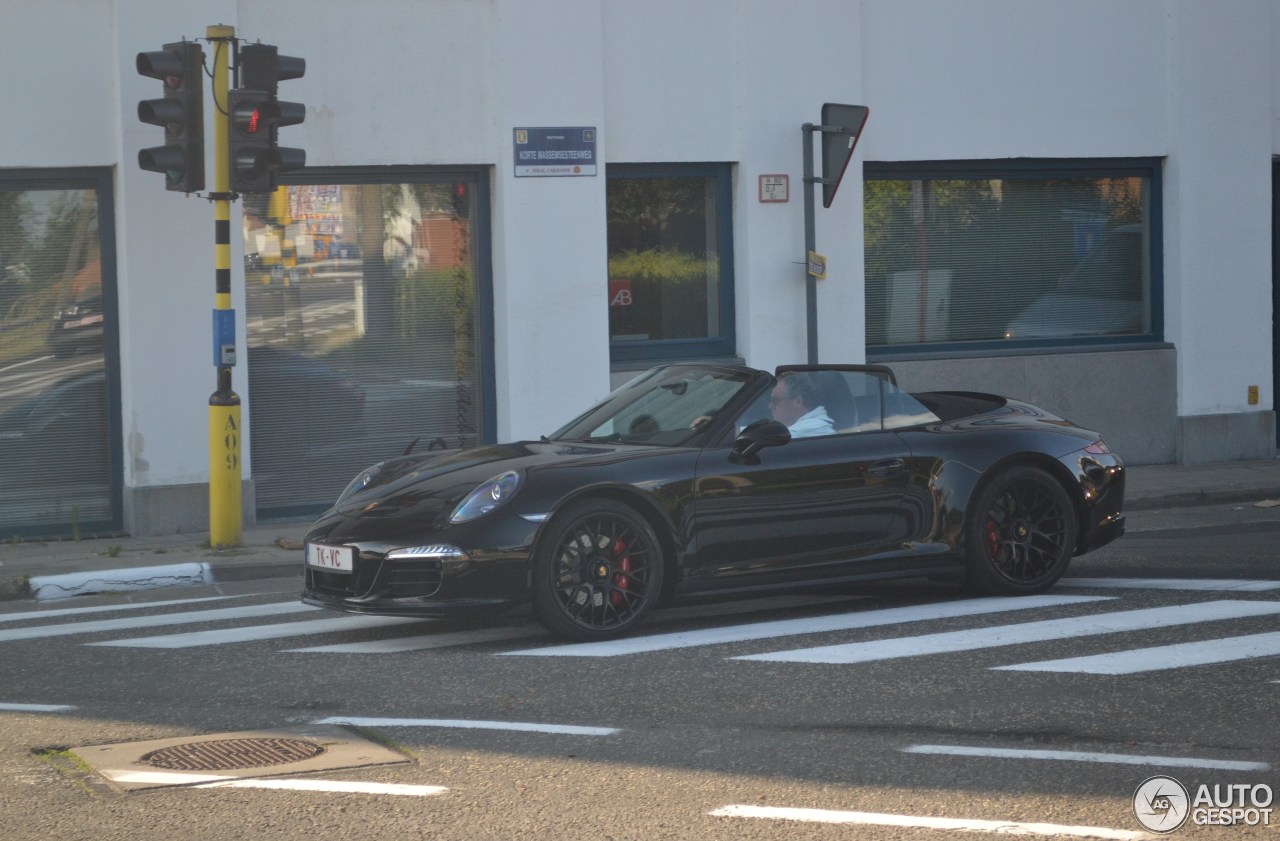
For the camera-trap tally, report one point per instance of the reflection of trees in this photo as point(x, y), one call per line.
point(46, 246)
point(662, 241)
point(1005, 241)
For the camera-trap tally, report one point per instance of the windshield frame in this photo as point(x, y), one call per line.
point(750, 383)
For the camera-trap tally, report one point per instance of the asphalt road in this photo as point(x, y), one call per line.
point(905, 702)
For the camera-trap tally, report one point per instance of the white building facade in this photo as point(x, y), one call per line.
point(411, 284)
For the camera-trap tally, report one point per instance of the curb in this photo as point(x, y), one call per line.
point(1192, 499)
point(67, 585)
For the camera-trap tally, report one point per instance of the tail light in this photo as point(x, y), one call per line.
point(1098, 448)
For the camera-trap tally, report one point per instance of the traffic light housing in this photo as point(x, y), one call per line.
point(180, 112)
point(254, 116)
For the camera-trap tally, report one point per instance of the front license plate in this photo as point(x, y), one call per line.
point(332, 558)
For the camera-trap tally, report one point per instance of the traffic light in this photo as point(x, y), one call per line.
point(180, 112)
point(255, 115)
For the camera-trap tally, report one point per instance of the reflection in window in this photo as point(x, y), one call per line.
point(670, 261)
point(1006, 256)
point(362, 331)
point(54, 438)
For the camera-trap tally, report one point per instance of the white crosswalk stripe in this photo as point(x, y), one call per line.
point(157, 621)
point(1042, 631)
point(1225, 584)
point(255, 633)
point(427, 641)
point(1139, 647)
point(1158, 658)
point(792, 627)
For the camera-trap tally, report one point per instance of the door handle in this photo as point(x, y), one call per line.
point(887, 467)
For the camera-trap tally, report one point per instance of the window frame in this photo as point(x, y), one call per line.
point(716, 347)
point(101, 181)
point(1031, 169)
point(480, 177)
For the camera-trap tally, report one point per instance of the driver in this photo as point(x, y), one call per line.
point(795, 402)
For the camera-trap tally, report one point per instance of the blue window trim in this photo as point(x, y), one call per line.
point(1039, 168)
point(724, 345)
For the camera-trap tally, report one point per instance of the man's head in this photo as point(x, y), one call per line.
point(793, 397)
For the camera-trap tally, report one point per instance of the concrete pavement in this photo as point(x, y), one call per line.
point(60, 569)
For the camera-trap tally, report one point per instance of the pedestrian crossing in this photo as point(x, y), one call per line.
point(827, 633)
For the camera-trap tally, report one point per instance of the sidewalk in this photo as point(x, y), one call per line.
point(58, 569)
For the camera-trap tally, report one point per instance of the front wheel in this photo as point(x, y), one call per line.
point(1020, 533)
point(598, 573)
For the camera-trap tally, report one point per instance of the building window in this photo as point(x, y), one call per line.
point(368, 320)
point(1011, 255)
point(670, 261)
point(59, 407)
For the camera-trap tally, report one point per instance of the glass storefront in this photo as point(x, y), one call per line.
point(363, 330)
point(55, 416)
point(670, 260)
point(1031, 256)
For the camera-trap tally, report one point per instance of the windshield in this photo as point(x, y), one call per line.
point(663, 407)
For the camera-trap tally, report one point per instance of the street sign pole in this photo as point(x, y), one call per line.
point(840, 129)
point(226, 523)
point(810, 244)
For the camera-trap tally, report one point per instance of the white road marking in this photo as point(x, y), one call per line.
point(160, 620)
point(75, 611)
point(1049, 629)
point(1177, 656)
point(468, 724)
point(1229, 584)
point(924, 822)
point(259, 632)
point(163, 778)
point(1085, 756)
point(811, 625)
point(36, 708)
point(427, 641)
point(339, 786)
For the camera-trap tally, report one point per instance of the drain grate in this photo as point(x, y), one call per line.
point(232, 754)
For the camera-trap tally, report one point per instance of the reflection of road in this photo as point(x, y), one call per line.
point(313, 307)
point(23, 380)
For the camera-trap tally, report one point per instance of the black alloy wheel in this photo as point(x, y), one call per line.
point(598, 573)
point(1020, 534)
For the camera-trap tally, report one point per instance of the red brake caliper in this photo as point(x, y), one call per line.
point(993, 538)
point(620, 580)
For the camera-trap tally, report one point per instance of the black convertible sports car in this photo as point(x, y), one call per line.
point(682, 483)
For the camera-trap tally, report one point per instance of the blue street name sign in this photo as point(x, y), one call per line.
point(555, 151)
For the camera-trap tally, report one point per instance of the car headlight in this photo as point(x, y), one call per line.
point(363, 479)
point(487, 497)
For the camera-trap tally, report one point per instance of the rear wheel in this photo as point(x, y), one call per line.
point(598, 573)
point(1020, 533)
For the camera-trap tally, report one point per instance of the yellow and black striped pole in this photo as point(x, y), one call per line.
point(226, 526)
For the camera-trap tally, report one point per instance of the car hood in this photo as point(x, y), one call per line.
point(428, 487)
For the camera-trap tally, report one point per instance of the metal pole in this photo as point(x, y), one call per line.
point(810, 244)
point(226, 521)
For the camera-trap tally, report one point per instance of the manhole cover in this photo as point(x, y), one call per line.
point(231, 754)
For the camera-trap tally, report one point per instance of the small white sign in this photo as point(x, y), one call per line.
point(775, 188)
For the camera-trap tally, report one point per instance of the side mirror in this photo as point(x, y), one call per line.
point(765, 432)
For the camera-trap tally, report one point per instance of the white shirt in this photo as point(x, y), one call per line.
point(814, 422)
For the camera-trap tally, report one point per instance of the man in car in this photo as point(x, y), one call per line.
point(795, 402)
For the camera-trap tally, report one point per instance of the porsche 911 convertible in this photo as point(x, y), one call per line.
point(685, 483)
